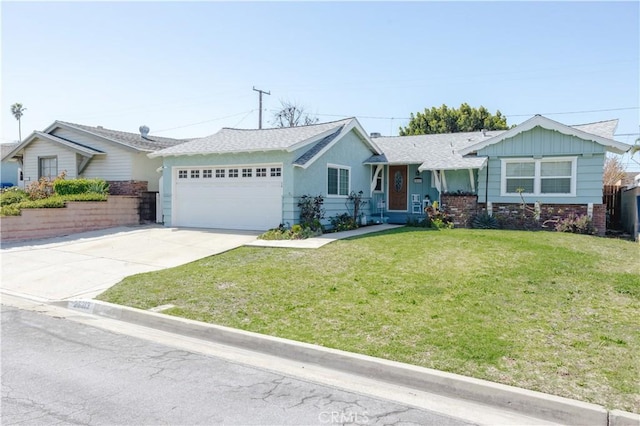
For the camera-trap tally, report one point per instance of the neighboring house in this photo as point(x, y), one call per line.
point(253, 179)
point(10, 169)
point(92, 152)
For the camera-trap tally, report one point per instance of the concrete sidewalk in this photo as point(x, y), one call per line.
point(84, 265)
point(324, 239)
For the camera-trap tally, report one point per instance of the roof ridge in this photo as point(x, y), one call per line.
point(101, 128)
point(594, 122)
point(292, 127)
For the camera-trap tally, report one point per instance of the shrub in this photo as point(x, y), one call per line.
point(56, 201)
point(419, 222)
point(297, 232)
point(13, 195)
point(484, 221)
point(40, 189)
point(80, 186)
point(343, 222)
point(576, 224)
point(311, 211)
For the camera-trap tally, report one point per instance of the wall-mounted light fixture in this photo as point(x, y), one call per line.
point(418, 178)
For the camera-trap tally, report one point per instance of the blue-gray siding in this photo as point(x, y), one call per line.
point(541, 143)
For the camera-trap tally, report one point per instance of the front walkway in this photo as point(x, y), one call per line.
point(322, 240)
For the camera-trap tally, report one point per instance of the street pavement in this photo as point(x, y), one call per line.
point(59, 371)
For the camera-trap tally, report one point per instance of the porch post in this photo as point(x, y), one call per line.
point(473, 183)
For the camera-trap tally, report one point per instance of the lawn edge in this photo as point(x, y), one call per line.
point(536, 404)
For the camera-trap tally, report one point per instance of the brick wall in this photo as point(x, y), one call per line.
point(511, 216)
point(78, 216)
point(127, 187)
point(461, 208)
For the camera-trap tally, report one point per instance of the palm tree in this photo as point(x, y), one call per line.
point(18, 110)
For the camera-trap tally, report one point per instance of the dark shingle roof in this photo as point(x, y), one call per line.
point(134, 140)
point(317, 147)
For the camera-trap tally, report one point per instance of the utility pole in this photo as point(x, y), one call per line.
point(260, 92)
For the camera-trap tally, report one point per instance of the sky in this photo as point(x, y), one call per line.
point(187, 69)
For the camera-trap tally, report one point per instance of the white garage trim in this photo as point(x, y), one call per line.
point(245, 196)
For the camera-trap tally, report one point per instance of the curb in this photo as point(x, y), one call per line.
point(536, 404)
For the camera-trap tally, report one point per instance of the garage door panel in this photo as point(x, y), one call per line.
point(233, 203)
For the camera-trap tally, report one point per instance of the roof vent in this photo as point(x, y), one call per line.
point(484, 132)
point(100, 127)
point(375, 135)
point(144, 131)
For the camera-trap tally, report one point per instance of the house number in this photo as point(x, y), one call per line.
point(398, 181)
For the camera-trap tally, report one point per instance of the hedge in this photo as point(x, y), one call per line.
point(80, 186)
point(57, 201)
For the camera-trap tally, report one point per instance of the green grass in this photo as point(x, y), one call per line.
point(553, 312)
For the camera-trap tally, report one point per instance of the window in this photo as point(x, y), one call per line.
point(276, 171)
point(338, 181)
point(261, 172)
point(220, 173)
point(207, 173)
point(547, 176)
point(233, 173)
point(48, 167)
point(182, 174)
point(379, 181)
point(247, 173)
point(195, 174)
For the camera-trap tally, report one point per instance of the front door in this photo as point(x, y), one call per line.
point(397, 188)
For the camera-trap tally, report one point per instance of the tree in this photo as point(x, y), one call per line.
point(18, 110)
point(452, 120)
point(613, 171)
point(291, 114)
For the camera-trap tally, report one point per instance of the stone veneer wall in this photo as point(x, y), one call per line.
point(462, 209)
point(128, 187)
point(78, 216)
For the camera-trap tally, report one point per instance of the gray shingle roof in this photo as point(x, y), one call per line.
point(6, 148)
point(606, 129)
point(316, 148)
point(134, 140)
point(250, 140)
point(433, 152)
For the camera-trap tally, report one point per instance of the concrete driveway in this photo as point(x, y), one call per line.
point(84, 265)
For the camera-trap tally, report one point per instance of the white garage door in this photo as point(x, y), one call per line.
point(238, 197)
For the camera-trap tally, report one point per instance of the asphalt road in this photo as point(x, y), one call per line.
point(57, 371)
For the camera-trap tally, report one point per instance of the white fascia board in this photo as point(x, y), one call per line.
point(548, 124)
point(53, 139)
point(423, 168)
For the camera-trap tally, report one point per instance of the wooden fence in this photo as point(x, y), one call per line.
point(612, 198)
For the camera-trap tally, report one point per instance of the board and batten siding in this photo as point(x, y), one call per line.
point(350, 151)
point(540, 143)
point(117, 164)
point(38, 149)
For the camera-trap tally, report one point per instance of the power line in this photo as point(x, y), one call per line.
point(573, 112)
point(206, 121)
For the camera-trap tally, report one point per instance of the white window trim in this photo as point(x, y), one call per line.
point(339, 167)
point(537, 178)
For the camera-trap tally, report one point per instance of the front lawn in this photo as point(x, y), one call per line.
point(553, 312)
